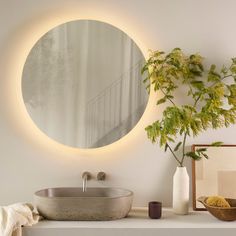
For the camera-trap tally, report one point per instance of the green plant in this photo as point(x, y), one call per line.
point(211, 96)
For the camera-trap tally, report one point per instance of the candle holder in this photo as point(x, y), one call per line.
point(154, 210)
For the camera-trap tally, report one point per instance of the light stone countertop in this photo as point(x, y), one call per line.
point(138, 223)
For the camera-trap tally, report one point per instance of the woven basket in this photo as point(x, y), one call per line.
point(221, 213)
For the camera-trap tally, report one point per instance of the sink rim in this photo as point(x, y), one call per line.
point(128, 194)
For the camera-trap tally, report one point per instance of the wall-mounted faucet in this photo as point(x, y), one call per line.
point(86, 176)
point(101, 176)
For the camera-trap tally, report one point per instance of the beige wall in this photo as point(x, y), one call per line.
point(30, 161)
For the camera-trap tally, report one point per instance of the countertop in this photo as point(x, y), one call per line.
point(138, 223)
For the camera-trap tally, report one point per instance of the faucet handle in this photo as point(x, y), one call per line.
point(87, 174)
point(101, 175)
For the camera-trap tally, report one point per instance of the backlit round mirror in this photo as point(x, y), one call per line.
point(82, 84)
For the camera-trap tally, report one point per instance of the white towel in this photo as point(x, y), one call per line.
point(14, 216)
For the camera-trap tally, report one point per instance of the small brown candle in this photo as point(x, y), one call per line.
point(154, 210)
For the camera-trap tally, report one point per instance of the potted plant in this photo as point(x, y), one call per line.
point(209, 102)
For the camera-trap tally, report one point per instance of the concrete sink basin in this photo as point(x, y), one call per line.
point(74, 204)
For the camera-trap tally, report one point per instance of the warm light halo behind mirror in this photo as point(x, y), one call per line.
point(82, 84)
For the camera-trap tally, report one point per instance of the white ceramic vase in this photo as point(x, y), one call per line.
point(181, 191)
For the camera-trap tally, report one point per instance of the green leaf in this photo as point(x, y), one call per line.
point(196, 72)
point(213, 67)
point(213, 75)
point(224, 70)
point(162, 100)
point(146, 79)
point(193, 155)
point(232, 100)
point(233, 69)
point(234, 60)
point(176, 49)
point(197, 84)
point(145, 68)
point(216, 144)
point(169, 96)
point(148, 88)
point(170, 139)
point(177, 146)
point(189, 93)
point(201, 149)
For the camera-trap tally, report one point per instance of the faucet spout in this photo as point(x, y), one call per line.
point(86, 176)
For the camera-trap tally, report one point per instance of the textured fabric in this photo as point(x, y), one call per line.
point(14, 216)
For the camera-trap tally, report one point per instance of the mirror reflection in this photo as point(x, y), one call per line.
point(82, 84)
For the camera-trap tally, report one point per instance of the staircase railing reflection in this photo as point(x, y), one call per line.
point(115, 108)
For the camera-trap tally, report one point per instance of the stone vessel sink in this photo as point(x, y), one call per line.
point(74, 204)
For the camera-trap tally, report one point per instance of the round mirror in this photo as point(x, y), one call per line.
point(82, 84)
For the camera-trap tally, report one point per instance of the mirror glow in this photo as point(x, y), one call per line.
point(82, 84)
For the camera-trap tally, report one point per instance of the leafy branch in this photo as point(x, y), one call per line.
point(208, 93)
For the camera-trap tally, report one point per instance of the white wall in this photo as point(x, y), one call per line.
point(30, 161)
